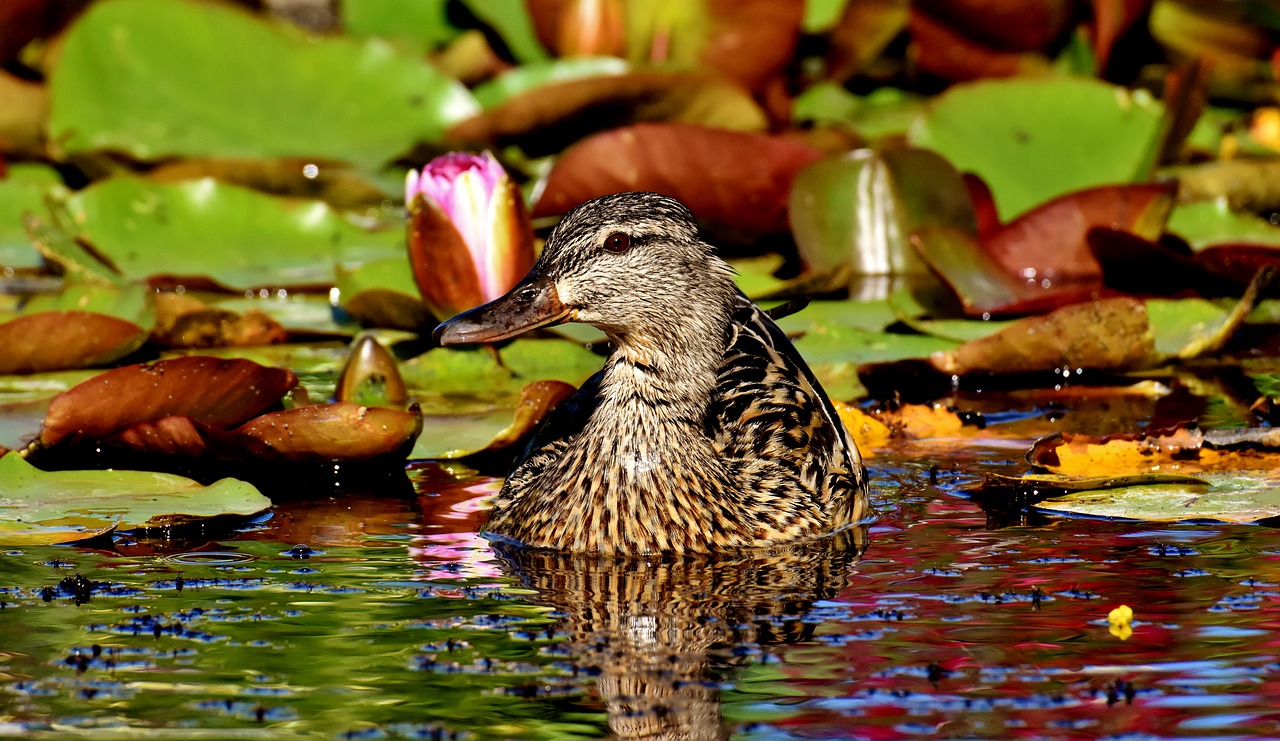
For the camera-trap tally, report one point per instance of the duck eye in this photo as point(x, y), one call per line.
point(617, 242)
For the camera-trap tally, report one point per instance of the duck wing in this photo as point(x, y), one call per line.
point(770, 406)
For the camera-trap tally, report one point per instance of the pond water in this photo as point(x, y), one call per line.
point(379, 613)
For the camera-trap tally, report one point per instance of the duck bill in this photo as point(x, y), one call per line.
point(533, 303)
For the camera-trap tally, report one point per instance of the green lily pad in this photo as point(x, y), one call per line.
point(237, 237)
point(477, 373)
point(1228, 497)
point(38, 507)
point(419, 25)
point(510, 18)
point(834, 353)
point(529, 76)
point(155, 78)
point(23, 191)
point(1033, 139)
point(1213, 222)
point(130, 302)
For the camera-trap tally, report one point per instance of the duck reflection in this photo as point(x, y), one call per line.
point(656, 632)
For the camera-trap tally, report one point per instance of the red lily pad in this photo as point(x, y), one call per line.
point(748, 40)
point(1111, 334)
point(1012, 25)
point(732, 179)
point(1050, 242)
point(65, 340)
point(211, 391)
point(549, 118)
point(342, 431)
point(1238, 262)
point(943, 51)
point(984, 286)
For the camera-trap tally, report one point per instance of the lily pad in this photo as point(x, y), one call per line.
point(420, 25)
point(1214, 222)
point(1092, 132)
point(531, 76)
point(342, 431)
point(65, 340)
point(214, 392)
point(736, 180)
point(1227, 497)
point(38, 507)
point(23, 191)
point(154, 78)
point(497, 376)
point(236, 237)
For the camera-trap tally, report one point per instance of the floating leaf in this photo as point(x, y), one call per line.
point(537, 400)
point(236, 237)
point(1109, 334)
point(1214, 222)
point(39, 507)
point(1093, 133)
point(735, 180)
point(23, 191)
point(382, 293)
point(549, 118)
point(984, 286)
point(154, 78)
point(65, 340)
point(1226, 498)
point(420, 25)
point(370, 376)
point(529, 77)
point(1049, 242)
point(214, 392)
point(184, 321)
point(942, 51)
point(859, 208)
point(343, 431)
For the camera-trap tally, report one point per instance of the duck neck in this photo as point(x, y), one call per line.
point(665, 373)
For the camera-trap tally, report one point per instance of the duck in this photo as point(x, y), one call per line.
point(705, 431)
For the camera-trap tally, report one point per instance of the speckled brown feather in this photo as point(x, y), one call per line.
point(705, 431)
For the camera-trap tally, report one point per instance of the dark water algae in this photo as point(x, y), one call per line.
point(396, 621)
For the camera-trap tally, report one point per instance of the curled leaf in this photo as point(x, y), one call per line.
point(65, 340)
point(1108, 334)
point(343, 431)
point(214, 392)
point(371, 376)
point(735, 180)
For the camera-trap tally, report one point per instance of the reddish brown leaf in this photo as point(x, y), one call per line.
point(537, 400)
point(342, 431)
point(1131, 264)
point(214, 392)
point(752, 40)
point(1111, 19)
point(183, 321)
point(984, 205)
point(940, 50)
point(985, 288)
point(551, 117)
point(371, 371)
point(1238, 262)
point(65, 340)
point(384, 307)
point(734, 180)
point(1009, 25)
point(862, 33)
point(1049, 244)
point(1111, 334)
point(167, 435)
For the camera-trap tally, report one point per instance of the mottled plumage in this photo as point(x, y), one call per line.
point(704, 431)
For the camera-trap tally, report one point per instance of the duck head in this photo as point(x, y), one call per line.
point(631, 264)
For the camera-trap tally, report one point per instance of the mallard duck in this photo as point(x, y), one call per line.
point(705, 430)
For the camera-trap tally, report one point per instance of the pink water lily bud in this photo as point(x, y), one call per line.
point(469, 235)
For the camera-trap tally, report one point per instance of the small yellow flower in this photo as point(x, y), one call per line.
point(1120, 620)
